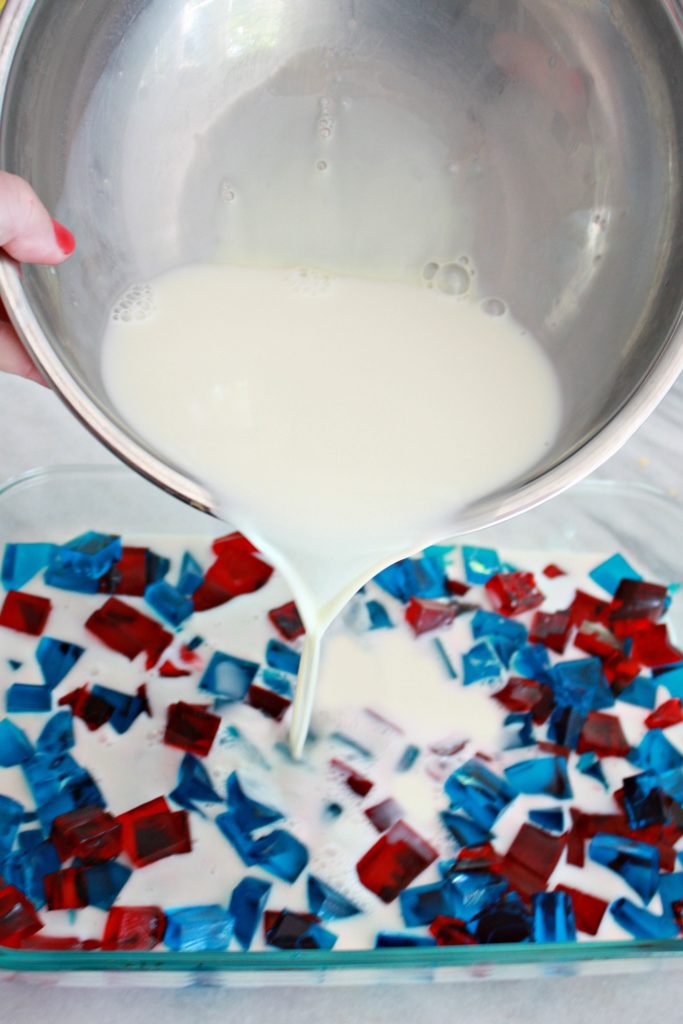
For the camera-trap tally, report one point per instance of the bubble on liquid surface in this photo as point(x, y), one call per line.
point(321, 165)
point(430, 270)
point(326, 123)
point(137, 303)
point(494, 307)
point(227, 191)
point(452, 279)
point(306, 281)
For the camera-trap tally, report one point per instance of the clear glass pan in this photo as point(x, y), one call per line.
point(595, 516)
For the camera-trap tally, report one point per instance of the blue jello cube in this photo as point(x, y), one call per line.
point(57, 735)
point(297, 931)
point(553, 917)
point(21, 562)
point(56, 659)
point(198, 929)
point(581, 685)
point(65, 579)
point(481, 664)
point(90, 555)
point(444, 658)
point(532, 661)
point(399, 940)
point(103, 883)
point(636, 862)
point(551, 821)
point(29, 838)
point(642, 692)
point(61, 803)
point(21, 697)
point(278, 852)
point(565, 725)
point(46, 772)
point(422, 903)
point(282, 657)
point(169, 603)
point(193, 784)
point(520, 731)
point(378, 616)
point(414, 577)
point(278, 682)
point(408, 758)
point(11, 817)
point(505, 921)
point(671, 890)
point(465, 831)
point(486, 623)
point(480, 564)
point(590, 764)
point(656, 752)
point(14, 746)
point(328, 903)
point(228, 677)
point(249, 814)
point(481, 794)
point(642, 800)
point(473, 891)
point(610, 573)
point(191, 575)
point(247, 903)
point(672, 680)
point(27, 869)
point(641, 923)
point(541, 775)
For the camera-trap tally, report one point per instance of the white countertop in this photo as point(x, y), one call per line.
point(36, 430)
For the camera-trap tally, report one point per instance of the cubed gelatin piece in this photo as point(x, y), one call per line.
point(151, 832)
point(169, 603)
point(610, 573)
point(296, 931)
point(89, 833)
point(531, 859)
point(190, 728)
point(636, 862)
point(505, 921)
point(194, 784)
point(21, 562)
point(667, 714)
point(89, 555)
point(480, 563)
point(14, 745)
point(11, 817)
point(124, 629)
point(479, 792)
point(228, 677)
point(384, 814)
point(588, 910)
point(481, 664)
point(551, 629)
point(134, 928)
point(451, 931)
point(513, 593)
point(247, 903)
point(56, 659)
point(242, 568)
point(197, 929)
point(65, 889)
point(250, 814)
point(603, 735)
point(90, 708)
point(553, 917)
point(190, 575)
point(287, 621)
point(328, 903)
point(396, 860)
point(24, 697)
point(25, 613)
point(546, 775)
point(642, 799)
point(356, 782)
point(641, 923)
point(282, 657)
point(655, 751)
point(424, 614)
point(581, 684)
point(18, 918)
point(653, 648)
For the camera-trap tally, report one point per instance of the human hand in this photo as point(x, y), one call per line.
point(29, 235)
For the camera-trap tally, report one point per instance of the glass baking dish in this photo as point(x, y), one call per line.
point(595, 516)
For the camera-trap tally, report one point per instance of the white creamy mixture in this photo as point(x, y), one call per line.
point(340, 422)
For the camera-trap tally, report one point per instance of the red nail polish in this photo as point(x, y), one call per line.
point(65, 240)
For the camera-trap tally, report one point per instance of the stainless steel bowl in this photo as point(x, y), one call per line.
point(541, 138)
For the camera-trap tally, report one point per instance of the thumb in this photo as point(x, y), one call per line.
point(27, 232)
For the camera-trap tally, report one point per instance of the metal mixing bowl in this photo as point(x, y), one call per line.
point(540, 139)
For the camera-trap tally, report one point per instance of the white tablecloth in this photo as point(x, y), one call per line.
point(36, 430)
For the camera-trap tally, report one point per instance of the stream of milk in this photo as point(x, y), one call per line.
point(340, 422)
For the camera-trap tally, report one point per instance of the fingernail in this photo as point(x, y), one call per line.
point(65, 240)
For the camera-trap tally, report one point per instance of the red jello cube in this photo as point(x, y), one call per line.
point(128, 631)
point(456, 588)
point(167, 670)
point(552, 571)
point(652, 647)
point(603, 734)
point(594, 639)
point(526, 695)
point(667, 714)
point(18, 917)
point(191, 728)
point(384, 814)
point(451, 931)
point(356, 782)
point(64, 890)
point(90, 708)
point(424, 615)
point(620, 671)
point(25, 613)
point(88, 833)
point(531, 859)
point(396, 859)
point(227, 545)
point(588, 910)
point(287, 621)
point(134, 928)
point(58, 943)
point(268, 702)
point(551, 629)
point(513, 593)
point(636, 604)
point(586, 608)
point(479, 858)
point(128, 576)
point(242, 572)
point(151, 832)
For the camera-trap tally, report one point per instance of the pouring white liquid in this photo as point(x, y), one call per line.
point(340, 422)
